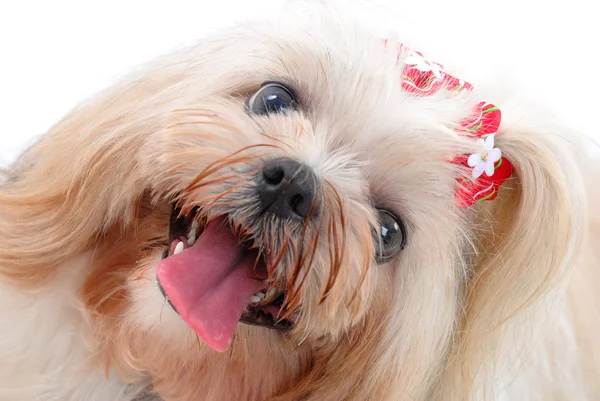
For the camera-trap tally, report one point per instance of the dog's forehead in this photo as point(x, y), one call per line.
point(351, 84)
point(347, 83)
point(354, 91)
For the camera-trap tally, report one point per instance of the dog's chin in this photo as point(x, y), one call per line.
point(215, 277)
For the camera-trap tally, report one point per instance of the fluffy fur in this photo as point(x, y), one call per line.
point(498, 302)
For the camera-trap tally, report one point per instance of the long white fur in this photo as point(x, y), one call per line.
point(543, 351)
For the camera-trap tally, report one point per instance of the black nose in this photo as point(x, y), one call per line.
point(287, 188)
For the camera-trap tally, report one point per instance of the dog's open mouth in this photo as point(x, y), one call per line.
point(214, 281)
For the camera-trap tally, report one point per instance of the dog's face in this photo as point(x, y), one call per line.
point(293, 189)
point(273, 200)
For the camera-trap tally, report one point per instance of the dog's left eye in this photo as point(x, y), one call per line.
point(271, 98)
point(392, 236)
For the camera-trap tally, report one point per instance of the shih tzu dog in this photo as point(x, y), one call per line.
point(300, 212)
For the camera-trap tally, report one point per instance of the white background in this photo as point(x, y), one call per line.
point(55, 53)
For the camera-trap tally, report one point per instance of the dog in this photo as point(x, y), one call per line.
point(300, 212)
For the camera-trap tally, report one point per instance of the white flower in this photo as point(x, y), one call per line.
point(422, 64)
point(486, 159)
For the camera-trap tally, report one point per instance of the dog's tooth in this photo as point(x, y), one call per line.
point(192, 235)
point(254, 299)
point(260, 294)
point(271, 295)
point(178, 248)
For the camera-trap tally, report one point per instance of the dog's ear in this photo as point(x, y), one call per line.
point(523, 243)
point(77, 181)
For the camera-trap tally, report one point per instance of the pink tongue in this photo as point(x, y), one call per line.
point(211, 283)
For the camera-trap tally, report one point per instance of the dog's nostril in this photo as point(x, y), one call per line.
point(296, 201)
point(273, 174)
point(287, 188)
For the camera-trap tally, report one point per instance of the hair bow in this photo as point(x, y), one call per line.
point(488, 168)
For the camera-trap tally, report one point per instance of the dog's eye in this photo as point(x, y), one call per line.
point(271, 98)
point(392, 236)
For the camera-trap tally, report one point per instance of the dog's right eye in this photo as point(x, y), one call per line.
point(392, 236)
point(272, 97)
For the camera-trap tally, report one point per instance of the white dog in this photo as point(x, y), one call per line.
point(300, 213)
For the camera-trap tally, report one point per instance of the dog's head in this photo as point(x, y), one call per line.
point(275, 195)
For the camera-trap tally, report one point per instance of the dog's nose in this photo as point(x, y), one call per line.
point(287, 188)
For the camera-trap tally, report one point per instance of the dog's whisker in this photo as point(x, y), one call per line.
point(278, 140)
point(311, 253)
point(213, 168)
point(160, 317)
point(335, 254)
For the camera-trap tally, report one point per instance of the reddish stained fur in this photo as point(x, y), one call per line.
point(432, 325)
